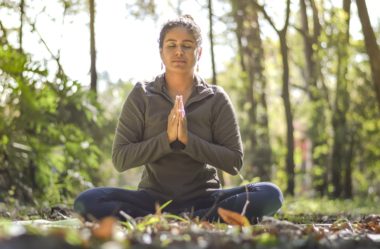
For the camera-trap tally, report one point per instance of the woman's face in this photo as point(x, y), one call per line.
point(179, 52)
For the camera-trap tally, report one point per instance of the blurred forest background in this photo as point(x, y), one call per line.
point(307, 98)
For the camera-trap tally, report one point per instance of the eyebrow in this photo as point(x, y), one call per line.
point(170, 40)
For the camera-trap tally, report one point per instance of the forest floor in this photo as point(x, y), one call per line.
point(300, 224)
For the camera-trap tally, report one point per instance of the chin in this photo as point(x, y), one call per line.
point(180, 70)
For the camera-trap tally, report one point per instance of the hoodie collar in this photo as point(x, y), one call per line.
point(202, 89)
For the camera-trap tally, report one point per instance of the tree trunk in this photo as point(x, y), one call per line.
point(20, 33)
point(285, 94)
point(341, 105)
point(316, 130)
point(210, 17)
point(94, 78)
point(371, 45)
point(263, 150)
point(289, 117)
point(251, 60)
point(348, 167)
point(214, 79)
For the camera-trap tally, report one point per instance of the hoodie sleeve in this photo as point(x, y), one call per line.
point(129, 149)
point(226, 150)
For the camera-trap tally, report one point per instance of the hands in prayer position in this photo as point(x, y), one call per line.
point(177, 125)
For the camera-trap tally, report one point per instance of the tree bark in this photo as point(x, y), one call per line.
point(214, 77)
point(94, 77)
point(20, 33)
point(251, 55)
point(211, 34)
point(263, 150)
point(285, 95)
point(371, 45)
point(341, 105)
point(348, 167)
point(288, 113)
point(317, 129)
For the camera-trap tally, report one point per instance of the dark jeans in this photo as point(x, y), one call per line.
point(265, 199)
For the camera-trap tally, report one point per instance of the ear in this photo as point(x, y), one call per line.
point(161, 53)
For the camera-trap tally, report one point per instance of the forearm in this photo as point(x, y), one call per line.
point(217, 155)
point(128, 155)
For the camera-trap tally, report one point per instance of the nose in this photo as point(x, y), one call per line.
point(179, 51)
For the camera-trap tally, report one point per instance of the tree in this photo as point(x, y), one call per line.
point(339, 119)
point(211, 35)
point(317, 93)
point(251, 55)
point(371, 45)
point(94, 77)
point(285, 94)
point(22, 13)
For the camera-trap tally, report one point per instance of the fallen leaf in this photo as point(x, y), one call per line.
point(233, 218)
point(104, 228)
point(206, 225)
point(372, 222)
point(315, 231)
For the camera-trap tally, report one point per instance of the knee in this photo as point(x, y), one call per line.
point(83, 202)
point(271, 196)
point(275, 195)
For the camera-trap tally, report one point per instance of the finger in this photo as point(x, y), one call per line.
point(182, 107)
point(176, 102)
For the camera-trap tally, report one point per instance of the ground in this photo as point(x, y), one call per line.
point(58, 227)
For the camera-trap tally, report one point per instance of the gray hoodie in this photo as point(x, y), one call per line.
point(175, 171)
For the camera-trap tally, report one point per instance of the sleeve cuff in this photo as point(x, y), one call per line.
point(189, 147)
point(164, 142)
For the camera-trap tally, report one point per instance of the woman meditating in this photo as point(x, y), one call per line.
point(180, 129)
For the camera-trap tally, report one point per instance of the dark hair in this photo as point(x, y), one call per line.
point(185, 21)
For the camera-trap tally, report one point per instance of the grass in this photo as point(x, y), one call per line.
point(169, 231)
point(357, 206)
point(324, 210)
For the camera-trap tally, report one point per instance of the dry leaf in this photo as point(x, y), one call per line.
point(104, 228)
point(372, 223)
point(233, 218)
point(206, 225)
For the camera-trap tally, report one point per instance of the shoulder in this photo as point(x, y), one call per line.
point(150, 86)
point(216, 90)
point(219, 93)
point(143, 88)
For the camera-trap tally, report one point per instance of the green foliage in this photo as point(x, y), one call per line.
point(324, 206)
point(50, 133)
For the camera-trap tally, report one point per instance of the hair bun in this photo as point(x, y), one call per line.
point(187, 16)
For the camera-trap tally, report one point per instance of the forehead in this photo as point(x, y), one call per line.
point(179, 34)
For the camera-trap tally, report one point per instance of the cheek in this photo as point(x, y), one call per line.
point(164, 57)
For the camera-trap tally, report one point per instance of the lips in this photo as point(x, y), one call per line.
point(179, 61)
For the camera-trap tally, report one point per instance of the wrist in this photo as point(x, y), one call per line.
point(184, 140)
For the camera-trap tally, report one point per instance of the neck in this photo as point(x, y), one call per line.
point(179, 83)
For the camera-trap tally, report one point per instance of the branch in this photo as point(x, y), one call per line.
point(287, 16)
point(302, 32)
point(5, 35)
point(56, 58)
point(262, 9)
point(299, 87)
point(316, 22)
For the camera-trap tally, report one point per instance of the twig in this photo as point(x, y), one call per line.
point(212, 208)
point(5, 35)
point(128, 218)
point(246, 191)
point(56, 58)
